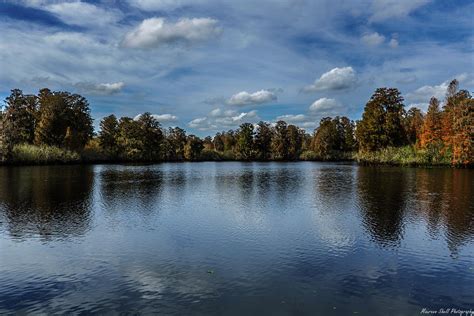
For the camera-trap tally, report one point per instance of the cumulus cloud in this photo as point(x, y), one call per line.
point(324, 105)
point(386, 9)
point(335, 79)
point(100, 88)
point(155, 32)
point(423, 94)
point(393, 43)
point(219, 119)
point(316, 111)
point(259, 97)
point(372, 39)
point(162, 118)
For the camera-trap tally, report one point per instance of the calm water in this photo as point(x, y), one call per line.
point(236, 238)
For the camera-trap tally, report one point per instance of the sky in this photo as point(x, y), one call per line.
point(210, 65)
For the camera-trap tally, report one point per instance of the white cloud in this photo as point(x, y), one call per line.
point(160, 5)
point(386, 9)
point(245, 98)
point(292, 118)
point(324, 105)
point(407, 79)
point(335, 79)
point(424, 93)
point(82, 13)
point(420, 97)
point(373, 39)
point(155, 32)
point(162, 118)
point(319, 109)
point(393, 43)
point(100, 88)
point(219, 119)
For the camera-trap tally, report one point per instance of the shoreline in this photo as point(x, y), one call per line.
point(145, 163)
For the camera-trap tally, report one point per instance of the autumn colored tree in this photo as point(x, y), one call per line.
point(463, 132)
point(431, 129)
point(448, 118)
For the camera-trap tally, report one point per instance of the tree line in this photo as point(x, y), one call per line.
point(62, 120)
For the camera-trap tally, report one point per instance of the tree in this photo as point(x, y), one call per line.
point(52, 118)
point(218, 142)
point(151, 136)
point(381, 123)
point(431, 129)
point(451, 111)
point(208, 144)
point(413, 124)
point(63, 120)
point(80, 129)
point(280, 141)
point(229, 140)
point(193, 148)
point(347, 129)
point(130, 140)
point(19, 118)
point(245, 145)
point(108, 135)
point(463, 131)
point(326, 140)
point(295, 141)
point(263, 141)
point(177, 139)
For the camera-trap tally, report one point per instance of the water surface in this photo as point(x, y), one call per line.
point(236, 238)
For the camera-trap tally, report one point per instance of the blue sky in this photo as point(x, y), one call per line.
point(209, 65)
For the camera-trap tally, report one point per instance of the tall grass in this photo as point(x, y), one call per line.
point(406, 155)
point(31, 154)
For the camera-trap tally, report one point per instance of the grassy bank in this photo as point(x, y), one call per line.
point(405, 156)
point(38, 155)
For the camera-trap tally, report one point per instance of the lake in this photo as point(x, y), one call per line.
point(236, 238)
